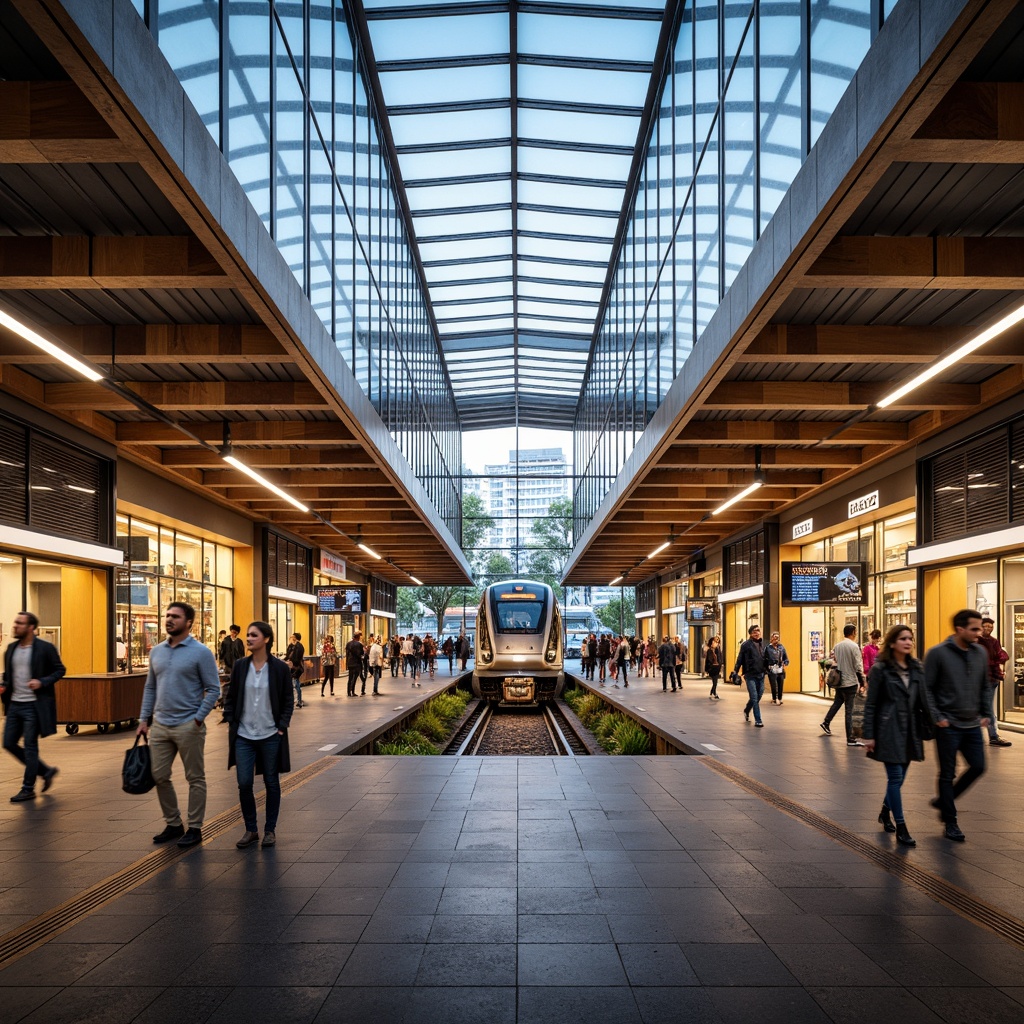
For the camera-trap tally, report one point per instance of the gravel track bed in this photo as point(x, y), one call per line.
point(521, 734)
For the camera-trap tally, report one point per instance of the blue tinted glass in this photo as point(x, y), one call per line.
point(440, 37)
point(189, 37)
point(840, 36)
point(445, 85)
point(583, 85)
point(607, 38)
point(781, 122)
point(738, 149)
point(439, 197)
point(458, 126)
point(560, 125)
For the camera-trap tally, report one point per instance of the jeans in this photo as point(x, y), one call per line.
point(353, 675)
point(22, 720)
point(245, 771)
point(895, 775)
point(624, 669)
point(993, 732)
point(668, 675)
point(678, 670)
point(843, 694)
point(375, 674)
point(328, 678)
point(775, 680)
point(394, 665)
point(297, 680)
point(971, 744)
point(410, 665)
point(755, 688)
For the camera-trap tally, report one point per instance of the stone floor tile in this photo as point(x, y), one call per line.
point(384, 964)
point(656, 964)
point(325, 928)
point(551, 1005)
point(568, 963)
point(719, 964)
point(294, 1004)
point(564, 928)
point(482, 928)
point(873, 1004)
point(174, 1005)
point(741, 1005)
point(468, 965)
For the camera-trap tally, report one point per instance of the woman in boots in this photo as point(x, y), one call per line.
point(328, 663)
point(896, 721)
point(713, 665)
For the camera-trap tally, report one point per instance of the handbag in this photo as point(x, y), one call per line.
point(734, 678)
point(833, 677)
point(136, 772)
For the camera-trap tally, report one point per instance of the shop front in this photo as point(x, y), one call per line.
point(746, 599)
point(291, 602)
point(972, 545)
point(843, 563)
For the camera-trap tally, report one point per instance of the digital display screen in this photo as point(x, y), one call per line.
point(331, 600)
point(824, 583)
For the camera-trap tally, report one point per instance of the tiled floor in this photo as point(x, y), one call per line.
point(531, 890)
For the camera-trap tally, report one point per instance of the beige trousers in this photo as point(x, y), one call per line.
point(189, 742)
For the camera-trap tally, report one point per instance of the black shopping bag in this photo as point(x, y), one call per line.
point(136, 774)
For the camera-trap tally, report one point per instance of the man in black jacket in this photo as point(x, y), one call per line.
point(354, 654)
point(750, 665)
point(294, 655)
point(31, 667)
point(959, 694)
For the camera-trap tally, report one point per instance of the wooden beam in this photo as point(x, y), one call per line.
point(766, 432)
point(867, 261)
point(778, 492)
point(310, 494)
point(275, 432)
point(273, 458)
point(53, 123)
point(319, 479)
point(154, 344)
point(975, 122)
point(687, 457)
point(832, 395)
point(47, 263)
point(191, 396)
point(818, 343)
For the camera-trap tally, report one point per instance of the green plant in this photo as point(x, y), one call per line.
point(606, 725)
point(431, 724)
point(630, 738)
point(589, 709)
point(416, 742)
point(448, 706)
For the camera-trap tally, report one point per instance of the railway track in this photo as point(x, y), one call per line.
point(526, 733)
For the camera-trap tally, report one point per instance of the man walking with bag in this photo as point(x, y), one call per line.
point(750, 664)
point(849, 662)
point(31, 667)
point(181, 690)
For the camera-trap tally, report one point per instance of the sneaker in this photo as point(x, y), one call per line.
point(248, 839)
point(169, 833)
point(23, 794)
point(997, 742)
point(48, 776)
point(192, 837)
point(759, 725)
point(854, 743)
point(269, 838)
point(952, 831)
point(826, 729)
point(717, 697)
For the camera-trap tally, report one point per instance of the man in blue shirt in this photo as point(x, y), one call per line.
point(181, 690)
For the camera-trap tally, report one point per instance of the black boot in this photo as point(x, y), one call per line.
point(885, 820)
point(903, 837)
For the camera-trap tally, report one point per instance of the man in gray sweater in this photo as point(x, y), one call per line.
point(849, 662)
point(959, 694)
point(181, 690)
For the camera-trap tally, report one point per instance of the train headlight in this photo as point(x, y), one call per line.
point(549, 656)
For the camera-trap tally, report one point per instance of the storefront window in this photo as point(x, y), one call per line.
point(164, 565)
point(1010, 627)
point(899, 537)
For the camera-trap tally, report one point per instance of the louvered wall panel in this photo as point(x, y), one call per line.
point(66, 490)
point(13, 477)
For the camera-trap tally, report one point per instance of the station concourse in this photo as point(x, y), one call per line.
point(264, 266)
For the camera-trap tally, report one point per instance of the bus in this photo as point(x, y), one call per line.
point(579, 621)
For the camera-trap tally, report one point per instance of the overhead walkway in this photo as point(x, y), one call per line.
point(465, 889)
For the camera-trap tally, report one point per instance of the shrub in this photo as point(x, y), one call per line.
point(430, 724)
point(606, 725)
point(416, 742)
point(589, 709)
point(393, 748)
point(630, 738)
point(448, 706)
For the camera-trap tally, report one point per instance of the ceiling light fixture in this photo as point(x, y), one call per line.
point(419, 583)
point(758, 483)
point(658, 550)
point(1014, 317)
point(618, 579)
point(70, 361)
point(228, 455)
point(369, 551)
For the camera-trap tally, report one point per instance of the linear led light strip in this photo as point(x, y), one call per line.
point(264, 482)
point(1014, 317)
point(26, 332)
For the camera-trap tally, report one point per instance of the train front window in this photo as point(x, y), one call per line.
point(516, 613)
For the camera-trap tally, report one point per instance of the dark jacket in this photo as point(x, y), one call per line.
point(282, 703)
point(47, 668)
point(956, 682)
point(354, 652)
point(776, 657)
point(713, 661)
point(231, 650)
point(294, 655)
point(894, 713)
point(750, 660)
point(667, 655)
point(604, 648)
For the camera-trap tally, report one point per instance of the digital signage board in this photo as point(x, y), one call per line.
point(823, 583)
point(348, 599)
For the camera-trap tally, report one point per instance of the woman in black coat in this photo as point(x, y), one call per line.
point(896, 721)
point(258, 708)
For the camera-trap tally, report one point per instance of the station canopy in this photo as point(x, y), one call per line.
point(515, 126)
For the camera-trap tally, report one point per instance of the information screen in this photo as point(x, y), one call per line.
point(824, 583)
point(332, 600)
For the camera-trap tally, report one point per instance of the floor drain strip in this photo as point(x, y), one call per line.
point(1006, 926)
point(46, 926)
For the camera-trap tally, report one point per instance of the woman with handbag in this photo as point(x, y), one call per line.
point(896, 721)
point(328, 662)
point(258, 708)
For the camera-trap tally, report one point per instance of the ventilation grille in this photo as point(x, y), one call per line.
point(13, 493)
point(66, 490)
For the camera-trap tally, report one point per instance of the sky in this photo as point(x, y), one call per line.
point(488, 447)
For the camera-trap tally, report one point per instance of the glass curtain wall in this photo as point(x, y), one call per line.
point(281, 88)
point(747, 88)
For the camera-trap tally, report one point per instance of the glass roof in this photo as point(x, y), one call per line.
point(515, 129)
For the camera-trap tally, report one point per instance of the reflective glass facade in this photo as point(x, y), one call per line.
point(280, 87)
point(747, 89)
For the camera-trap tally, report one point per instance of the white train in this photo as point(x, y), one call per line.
point(519, 656)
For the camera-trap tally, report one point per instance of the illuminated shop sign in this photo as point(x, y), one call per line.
point(865, 503)
point(802, 529)
point(823, 583)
